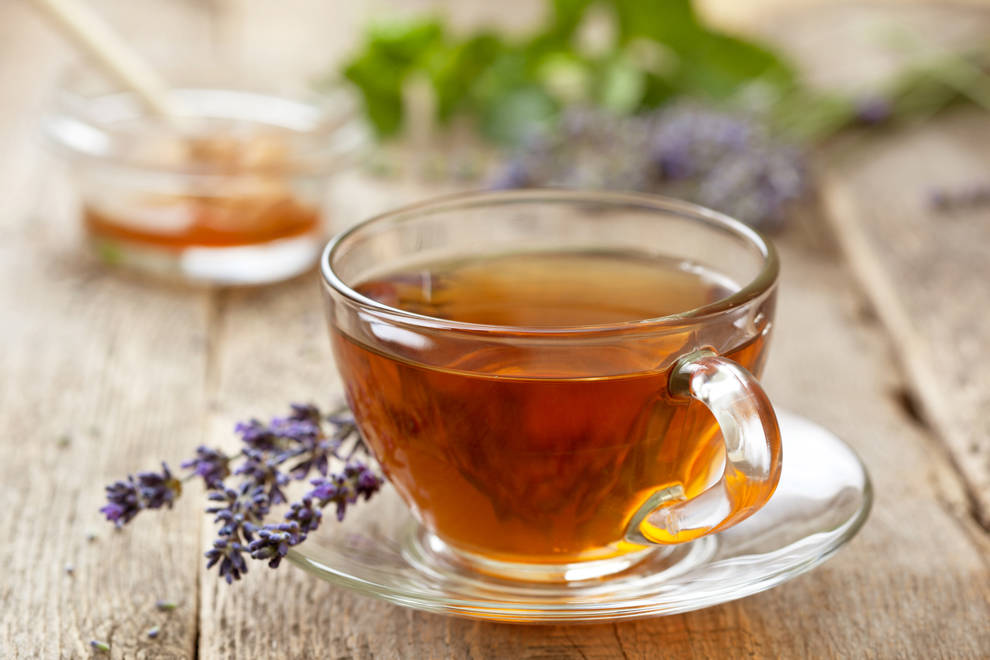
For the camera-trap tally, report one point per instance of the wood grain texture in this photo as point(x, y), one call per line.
point(30, 59)
point(135, 371)
point(755, 14)
point(859, 47)
point(98, 375)
point(113, 370)
point(926, 271)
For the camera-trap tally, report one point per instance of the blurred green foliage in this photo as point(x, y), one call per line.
point(656, 50)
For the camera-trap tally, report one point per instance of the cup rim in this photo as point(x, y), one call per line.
point(759, 285)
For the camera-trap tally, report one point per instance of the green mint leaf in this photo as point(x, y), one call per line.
point(662, 50)
point(404, 42)
point(621, 87)
point(708, 63)
point(391, 52)
point(716, 65)
point(565, 76)
point(512, 117)
point(454, 69)
point(566, 17)
point(672, 22)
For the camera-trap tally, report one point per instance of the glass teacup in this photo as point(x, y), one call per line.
point(556, 380)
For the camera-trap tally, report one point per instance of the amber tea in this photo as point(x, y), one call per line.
point(538, 453)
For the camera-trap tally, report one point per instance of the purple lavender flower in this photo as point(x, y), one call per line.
point(256, 435)
point(151, 490)
point(274, 541)
point(356, 481)
point(123, 502)
point(515, 175)
point(301, 431)
point(332, 489)
point(262, 470)
point(210, 464)
point(228, 553)
point(873, 110)
point(316, 454)
point(365, 482)
point(672, 161)
point(305, 515)
point(240, 511)
point(305, 412)
point(343, 420)
point(972, 196)
point(939, 200)
point(158, 489)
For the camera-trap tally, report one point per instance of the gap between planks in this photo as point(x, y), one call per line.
point(910, 351)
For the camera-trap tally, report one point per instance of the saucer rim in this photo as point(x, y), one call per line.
point(600, 612)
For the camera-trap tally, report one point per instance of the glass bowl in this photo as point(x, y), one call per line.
point(231, 190)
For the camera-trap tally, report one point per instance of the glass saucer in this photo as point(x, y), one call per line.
point(823, 499)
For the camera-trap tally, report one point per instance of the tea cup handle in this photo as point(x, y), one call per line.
point(752, 454)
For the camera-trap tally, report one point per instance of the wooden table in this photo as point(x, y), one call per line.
point(883, 336)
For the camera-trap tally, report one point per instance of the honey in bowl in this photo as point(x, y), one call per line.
point(238, 194)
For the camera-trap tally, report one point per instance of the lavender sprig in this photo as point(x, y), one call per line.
point(971, 197)
point(210, 464)
point(261, 470)
point(274, 541)
point(356, 481)
point(151, 490)
point(272, 455)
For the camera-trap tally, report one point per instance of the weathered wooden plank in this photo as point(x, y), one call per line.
point(858, 47)
point(114, 368)
point(923, 271)
point(756, 14)
point(140, 361)
point(30, 58)
point(99, 374)
point(926, 271)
